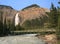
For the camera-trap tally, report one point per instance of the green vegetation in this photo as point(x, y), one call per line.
point(37, 23)
point(53, 16)
point(34, 25)
point(46, 22)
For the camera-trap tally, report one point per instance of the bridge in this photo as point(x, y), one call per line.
point(31, 31)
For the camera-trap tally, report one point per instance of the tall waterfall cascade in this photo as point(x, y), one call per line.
point(17, 19)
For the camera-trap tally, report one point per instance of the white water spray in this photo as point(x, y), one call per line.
point(17, 19)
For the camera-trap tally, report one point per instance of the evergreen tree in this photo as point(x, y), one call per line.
point(53, 16)
point(58, 27)
point(59, 18)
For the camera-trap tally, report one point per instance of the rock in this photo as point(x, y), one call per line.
point(50, 39)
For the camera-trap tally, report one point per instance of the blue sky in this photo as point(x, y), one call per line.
point(20, 4)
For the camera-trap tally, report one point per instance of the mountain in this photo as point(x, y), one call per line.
point(7, 13)
point(32, 12)
point(28, 13)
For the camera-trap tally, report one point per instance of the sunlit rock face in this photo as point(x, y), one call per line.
point(33, 12)
point(17, 19)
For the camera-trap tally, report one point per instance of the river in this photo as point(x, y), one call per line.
point(21, 39)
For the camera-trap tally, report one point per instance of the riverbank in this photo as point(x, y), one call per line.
point(49, 38)
point(21, 39)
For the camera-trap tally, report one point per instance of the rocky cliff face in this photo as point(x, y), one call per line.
point(31, 12)
point(7, 13)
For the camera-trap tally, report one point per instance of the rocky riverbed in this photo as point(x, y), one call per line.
point(21, 39)
point(29, 39)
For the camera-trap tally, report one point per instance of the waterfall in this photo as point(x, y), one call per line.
point(17, 19)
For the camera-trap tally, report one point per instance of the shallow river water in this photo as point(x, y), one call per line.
point(21, 39)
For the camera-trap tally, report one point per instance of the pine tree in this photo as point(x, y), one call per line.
point(58, 27)
point(58, 16)
point(53, 16)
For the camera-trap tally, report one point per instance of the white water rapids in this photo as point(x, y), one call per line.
point(21, 39)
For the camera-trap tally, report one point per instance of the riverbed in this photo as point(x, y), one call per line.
point(22, 39)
